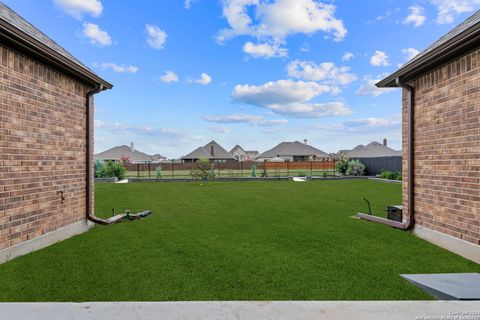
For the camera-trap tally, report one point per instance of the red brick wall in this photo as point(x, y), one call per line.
point(42, 149)
point(447, 148)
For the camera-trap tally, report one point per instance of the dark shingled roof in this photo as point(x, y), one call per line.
point(462, 37)
point(15, 28)
point(219, 153)
point(371, 150)
point(116, 153)
point(295, 148)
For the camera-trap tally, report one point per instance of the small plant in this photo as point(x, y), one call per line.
point(355, 168)
point(125, 160)
point(325, 174)
point(302, 173)
point(158, 172)
point(202, 170)
point(342, 164)
point(390, 175)
point(253, 173)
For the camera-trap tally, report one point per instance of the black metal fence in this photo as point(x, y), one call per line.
point(374, 166)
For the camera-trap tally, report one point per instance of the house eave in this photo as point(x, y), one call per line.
point(36, 49)
point(463, 42)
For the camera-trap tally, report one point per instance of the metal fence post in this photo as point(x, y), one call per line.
point(311, 168)
point(173, 169)
point(288, 168)
point(149, 174)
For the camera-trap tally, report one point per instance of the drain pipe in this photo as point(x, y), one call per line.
point(89, 156)
point(409, 221)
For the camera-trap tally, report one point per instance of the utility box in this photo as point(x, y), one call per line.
point(395, 213)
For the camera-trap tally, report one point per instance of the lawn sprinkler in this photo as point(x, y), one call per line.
point(368, 203)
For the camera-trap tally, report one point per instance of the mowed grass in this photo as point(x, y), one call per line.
point(233, 241)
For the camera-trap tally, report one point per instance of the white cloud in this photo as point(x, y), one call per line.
point(363, 125)
point(121, 128)
point(96, 35)
point(264, 50)
point(77, 8)
point(379, 59)
point(219, 129)
point(370, 89)
point(204, 79)
point(169, 77)
point(116, 68)
point(347, 56)
point(416, 17)
point(278, 19)
point(252, 120)
point(381, 17)
point(156, 37)
point(326, 71)
point(188, 3)
point(449, 9)
point(233, 118)
point(410, 53)
point(290, 97)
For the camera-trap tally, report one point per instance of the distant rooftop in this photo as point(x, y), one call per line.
point(295, 148)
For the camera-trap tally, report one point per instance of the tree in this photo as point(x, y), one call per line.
point(202, 170)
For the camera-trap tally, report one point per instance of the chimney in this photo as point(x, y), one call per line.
point(305, 141)
point(385, 142)
point(132, 147)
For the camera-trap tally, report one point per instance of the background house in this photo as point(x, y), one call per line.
point(211, 151)
point(134, 156)
point(293, 151)
point(376, 157)
point(441, 145)
point(47, 115)
point(242, 155)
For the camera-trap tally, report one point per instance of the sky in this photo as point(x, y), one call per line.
point(248, 72)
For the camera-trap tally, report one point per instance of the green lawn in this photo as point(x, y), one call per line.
point(233, 241)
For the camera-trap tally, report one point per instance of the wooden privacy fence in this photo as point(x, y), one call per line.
point(234, 168)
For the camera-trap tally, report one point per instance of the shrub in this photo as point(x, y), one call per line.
point(355, 168)
point(342, 164)
point(390, 175)
point(253, 173)
point(158, 172)
point(202, 170)
point(325, 174)
point(97, 168)
point(302, 173)
point(110, 170)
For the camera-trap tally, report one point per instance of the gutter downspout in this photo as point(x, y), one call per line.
point(89, 151)
point(409, 221)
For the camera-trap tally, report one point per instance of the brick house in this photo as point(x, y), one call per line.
point(441, 140)
point(46, 130)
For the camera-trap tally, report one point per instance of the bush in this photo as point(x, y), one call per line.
point(355, 168)
point(109, 170)
point(97, 167)
point(342, 164)
point(158, 172)
point(390, 175)
point(302, 173)
point(203, 170)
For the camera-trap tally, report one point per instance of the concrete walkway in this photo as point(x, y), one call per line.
point(301, 310)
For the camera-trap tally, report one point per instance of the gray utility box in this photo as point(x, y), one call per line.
point(395, 213)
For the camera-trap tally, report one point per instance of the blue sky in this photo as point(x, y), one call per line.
point(248, 72)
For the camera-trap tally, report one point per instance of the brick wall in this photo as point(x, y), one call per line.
point(447, 148)
point(42, 149)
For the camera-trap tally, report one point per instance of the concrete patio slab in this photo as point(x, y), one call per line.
point(277, 310)
point(448, 286)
